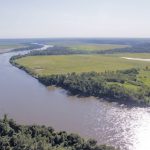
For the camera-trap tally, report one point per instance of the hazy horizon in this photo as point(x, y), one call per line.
point(51, 38)
point(74, 19)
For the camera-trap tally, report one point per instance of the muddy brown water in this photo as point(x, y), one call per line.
point(27, 101)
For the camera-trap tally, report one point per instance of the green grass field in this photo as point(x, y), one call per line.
point(45, 65)
point(144, 76)
point(96, 47)
point(8, 47)
point(88, 46)
point(62, 64)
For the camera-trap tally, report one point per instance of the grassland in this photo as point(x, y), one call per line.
point(131, 85)
point(88, 46)
point(46, 65)
point(8, 47)
point(143, 77)
point(96, 47)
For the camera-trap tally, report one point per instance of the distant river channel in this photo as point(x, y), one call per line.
point(27, 101)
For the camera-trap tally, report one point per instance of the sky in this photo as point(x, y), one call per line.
point(74, 18)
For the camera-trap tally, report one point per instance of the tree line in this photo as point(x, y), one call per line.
point(64, 50)
point(138, 48)
point(108, 85)
point(34, 137)
point(57, 50)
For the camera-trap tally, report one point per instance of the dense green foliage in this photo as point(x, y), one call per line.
point(57, 50)
point(138, 48)
point(61, 50)
point(120, 41)
point(109, 84)
point(34, 137)
point(78, 46)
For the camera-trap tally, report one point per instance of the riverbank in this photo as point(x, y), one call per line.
point(23, 47)
point(120, 86)
point(8, 47)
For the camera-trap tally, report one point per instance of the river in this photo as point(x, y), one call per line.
point(27, 101)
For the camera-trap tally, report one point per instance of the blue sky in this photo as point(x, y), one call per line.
point(74, 18)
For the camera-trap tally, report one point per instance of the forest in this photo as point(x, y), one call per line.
point(138, 48)
point(33, 137)
point(57, 50)
point(67, 50)
point(108, 85)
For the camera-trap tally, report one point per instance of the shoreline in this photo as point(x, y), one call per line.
point(126, 102)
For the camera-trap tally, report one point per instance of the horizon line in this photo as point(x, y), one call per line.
point(74, 38)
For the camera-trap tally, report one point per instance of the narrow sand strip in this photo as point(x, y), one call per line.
point(139, 59)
